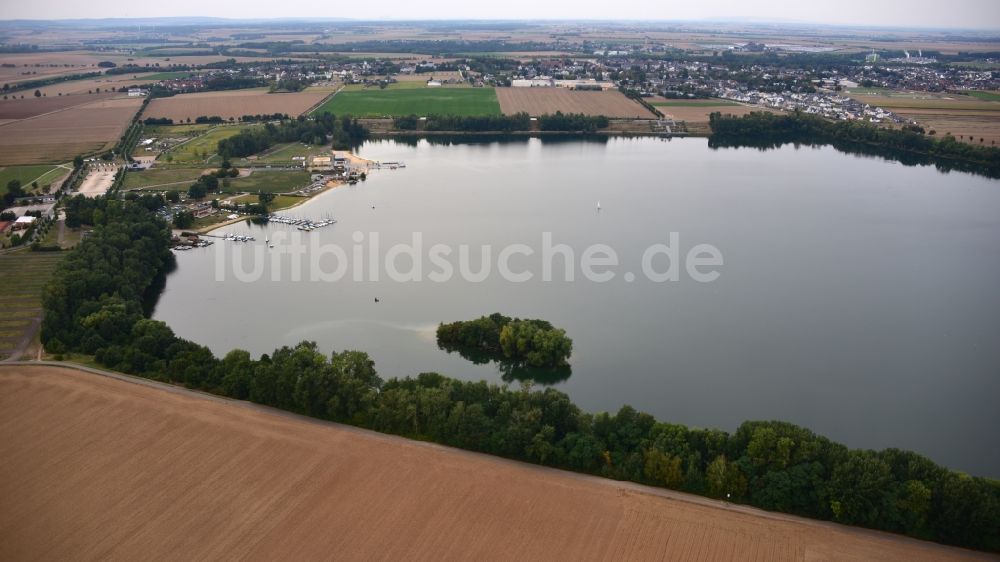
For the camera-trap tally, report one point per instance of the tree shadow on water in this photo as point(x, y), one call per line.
point(512, 371)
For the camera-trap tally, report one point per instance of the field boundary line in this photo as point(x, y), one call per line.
point(319, 104)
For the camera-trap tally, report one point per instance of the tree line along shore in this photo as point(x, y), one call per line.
point(97, 304)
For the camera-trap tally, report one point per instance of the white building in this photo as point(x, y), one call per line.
point(540, 82)
point(23, 223)
point(587, 84)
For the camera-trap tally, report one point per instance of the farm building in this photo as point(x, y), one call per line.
point(540, 82)
point(588, 84)
point(24, 223)
point(46, 209)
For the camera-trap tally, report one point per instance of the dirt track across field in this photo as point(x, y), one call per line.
point(99, 467)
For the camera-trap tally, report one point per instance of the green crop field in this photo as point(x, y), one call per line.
point(279, 202)
point(861, 91)
point(23, 274)
point(165, 177)
point(985, 96)
point(285, 152)
point(28, 174)
point(202, 149)
point(169, 75)
point(419, 101)
point(269, 182)
point(402, 85)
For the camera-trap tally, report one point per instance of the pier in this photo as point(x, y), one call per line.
point(305, 225)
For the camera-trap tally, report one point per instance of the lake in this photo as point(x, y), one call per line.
point(857, 297)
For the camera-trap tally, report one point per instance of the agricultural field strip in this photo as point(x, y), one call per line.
point(232, 104)
point(49, 113)
point(7, 173)
point(319, 103)
point(296, 478)
point(419, 101)
point(539, 101)
point(23, 276)
point(57, 137)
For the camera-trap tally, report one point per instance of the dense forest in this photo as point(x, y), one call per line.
point(100, 288)
point(909, 145)
point(95, 304)
point(560, 121)
point(533, 343)
point(344, 132)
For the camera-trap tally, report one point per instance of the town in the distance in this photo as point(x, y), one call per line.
point(462, 288)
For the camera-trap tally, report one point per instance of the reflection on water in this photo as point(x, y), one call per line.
point(512, 371)
point(858, 296)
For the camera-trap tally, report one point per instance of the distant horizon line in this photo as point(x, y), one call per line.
point(747, 20)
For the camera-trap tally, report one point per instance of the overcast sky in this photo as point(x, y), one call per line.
point(923, 13)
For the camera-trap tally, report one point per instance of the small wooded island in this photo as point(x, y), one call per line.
point(533, 343)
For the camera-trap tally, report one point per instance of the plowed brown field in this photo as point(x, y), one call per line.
point(104, 84)
point(539, 101)
point(96, 467)
point(233, 104)
point(60, 135)
point(692, 113)
point(31, 106)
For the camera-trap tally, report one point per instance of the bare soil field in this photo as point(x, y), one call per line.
point(966, 126)
point(32, 106)
point(233, 104)
point(968, 119)
point(112, 468)
point(98, 181)
point(699, 113)
point(32, 66)
point(84, 87)
point(539, 101)
point(42, 65)
point(60, 135)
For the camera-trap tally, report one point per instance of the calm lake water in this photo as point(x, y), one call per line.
point(858, 297)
